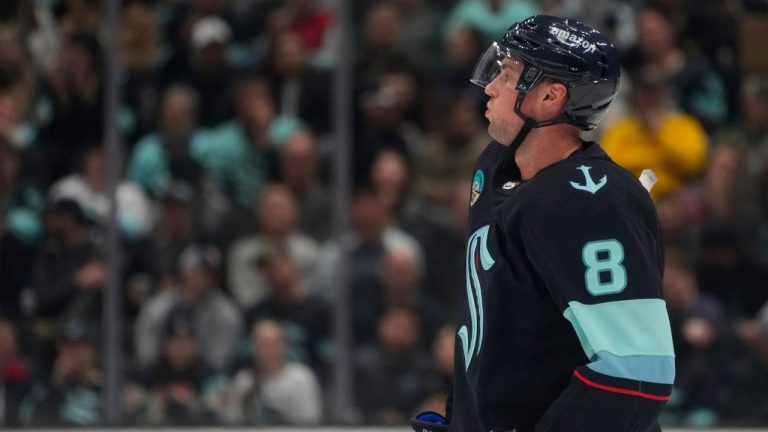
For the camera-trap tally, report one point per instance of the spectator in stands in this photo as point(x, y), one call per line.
point(14, 373)
point(181, 383)
point(299, 172)
point(277, 216)
point(386, 124)
point(400, 288)
point(210, 71)
point(749, 133)
point(272, 389)
point(421, 20)
point(299, 89)
point(395, 366)
point(74, 90)
point(699, 328)
point(460, 50)
point(88, 187)
point(216, 320)
point(390, 179)
point(372, 234)
point(449, 150)
point(674, 223)
point(490, 17)
point(22, 201)
point(309, 19)
point(726, 270)
point(721, 195)
point(696, 88)
point(304, 316)
point(382, 53)
point(20, 84)
point(155, 156)
point(72, 395)
point(176, 229)
point(155, 309)
point(15, 274)
point(69, 266)
point(140, 40)
point(80, 16)
point(655, 136)
point(239, 155)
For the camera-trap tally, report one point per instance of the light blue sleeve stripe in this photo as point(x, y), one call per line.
point(656, 369)
point(623, 328)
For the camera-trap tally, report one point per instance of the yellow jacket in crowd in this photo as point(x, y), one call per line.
point(676, 150)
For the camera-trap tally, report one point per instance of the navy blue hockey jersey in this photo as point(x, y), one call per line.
point(563, 326)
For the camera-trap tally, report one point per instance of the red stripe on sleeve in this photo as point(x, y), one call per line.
point(619, 390)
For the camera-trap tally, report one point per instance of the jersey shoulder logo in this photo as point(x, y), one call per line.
point(589, 185)
point(477, 187)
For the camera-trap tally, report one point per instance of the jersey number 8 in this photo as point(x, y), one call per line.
point(605, 274)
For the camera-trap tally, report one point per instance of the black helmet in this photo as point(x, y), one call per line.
point(565, 51)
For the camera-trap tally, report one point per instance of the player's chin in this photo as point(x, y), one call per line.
point(495, 132)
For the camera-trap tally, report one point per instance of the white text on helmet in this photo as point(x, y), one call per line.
point(572, 40)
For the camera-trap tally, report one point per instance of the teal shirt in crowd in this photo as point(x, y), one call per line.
point(478, 14)
point(236, 167)
point(149, 166)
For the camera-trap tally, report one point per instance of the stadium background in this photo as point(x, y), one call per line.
point(291, 182)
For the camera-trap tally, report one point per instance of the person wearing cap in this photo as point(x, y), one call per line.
point(212, 72)
point(216, 322)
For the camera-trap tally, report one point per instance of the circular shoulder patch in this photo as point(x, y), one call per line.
point(477, 186)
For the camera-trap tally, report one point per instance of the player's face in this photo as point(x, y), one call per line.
point(504, 124)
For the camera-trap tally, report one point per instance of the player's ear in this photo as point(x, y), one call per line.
point(555, 97)
point(556, 92)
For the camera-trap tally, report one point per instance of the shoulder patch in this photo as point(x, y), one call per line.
point(589, 184)
point(477, 186)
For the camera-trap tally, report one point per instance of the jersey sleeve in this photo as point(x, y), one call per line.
point(601, 263)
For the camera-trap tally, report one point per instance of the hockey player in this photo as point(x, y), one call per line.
point(563, 325)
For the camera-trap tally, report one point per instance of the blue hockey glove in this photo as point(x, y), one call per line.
point(429, 421)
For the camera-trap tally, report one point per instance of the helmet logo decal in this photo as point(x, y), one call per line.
point(572, 40)
point(531, 74)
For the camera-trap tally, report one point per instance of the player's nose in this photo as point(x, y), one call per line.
point(490, 88)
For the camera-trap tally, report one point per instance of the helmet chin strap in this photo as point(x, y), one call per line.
point(508, 169)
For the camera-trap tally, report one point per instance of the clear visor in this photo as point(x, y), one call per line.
point(488, 66)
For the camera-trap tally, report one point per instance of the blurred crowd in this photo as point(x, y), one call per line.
point(225, 206)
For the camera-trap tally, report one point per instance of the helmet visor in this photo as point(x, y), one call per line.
point(488, 66)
